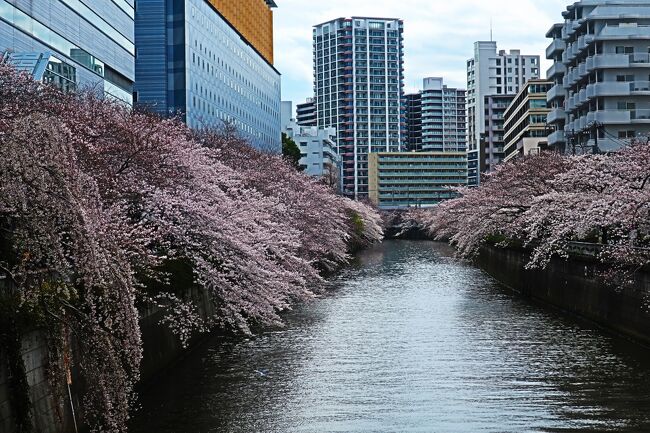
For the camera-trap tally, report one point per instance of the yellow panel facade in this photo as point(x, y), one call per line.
point(253, 19)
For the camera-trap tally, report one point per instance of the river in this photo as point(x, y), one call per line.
point(409, 339)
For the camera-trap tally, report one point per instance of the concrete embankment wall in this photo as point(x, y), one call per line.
point(576, 287)
point(50, 414)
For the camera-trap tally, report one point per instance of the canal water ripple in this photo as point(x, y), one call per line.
point(409, 340)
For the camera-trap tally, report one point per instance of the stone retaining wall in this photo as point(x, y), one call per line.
point(576, 287)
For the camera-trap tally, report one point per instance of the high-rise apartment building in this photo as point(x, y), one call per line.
point(210, 62)
point(525, 130)
point(413, 131)
point(436, 118)
point(92, 42)
point(358, 88)
point(601, 72)
point(491, 73)
point(492, 140)
point(306, 113)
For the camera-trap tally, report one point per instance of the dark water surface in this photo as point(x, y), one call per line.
point(409, 340)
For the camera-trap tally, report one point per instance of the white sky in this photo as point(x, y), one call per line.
point(439, 35)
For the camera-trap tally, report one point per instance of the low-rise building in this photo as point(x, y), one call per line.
point(318, 156)
point(525, 129)
point(415, 179)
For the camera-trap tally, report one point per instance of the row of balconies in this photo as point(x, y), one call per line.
point(596, 90)
point(610, 117)
point(605, 61)
point(574, 50)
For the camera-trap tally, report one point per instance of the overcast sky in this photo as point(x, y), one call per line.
point(438, 34)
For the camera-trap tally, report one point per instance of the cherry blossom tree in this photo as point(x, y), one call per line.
point(548, 202)
point(102, 207)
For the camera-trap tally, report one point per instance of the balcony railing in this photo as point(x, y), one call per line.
point(554, 47)
point(555, 92)
point(618, 31)
point(556, 69)
point(556, 138)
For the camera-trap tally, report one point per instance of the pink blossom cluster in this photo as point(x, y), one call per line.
point(126, 209)
point(550, 201)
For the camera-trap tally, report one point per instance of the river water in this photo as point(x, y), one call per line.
point(409, 340)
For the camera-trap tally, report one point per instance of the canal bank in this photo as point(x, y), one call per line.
point(577, 287)
point(409, 339)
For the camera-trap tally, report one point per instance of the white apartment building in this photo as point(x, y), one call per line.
point(601, 73)
point(491, 72)
point(318, 155)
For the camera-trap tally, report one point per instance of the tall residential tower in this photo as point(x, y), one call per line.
point(436, 118)
point(358, 88)
point(491, 73)
point(211, 62)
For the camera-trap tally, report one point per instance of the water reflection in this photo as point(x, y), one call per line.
point(410, 340)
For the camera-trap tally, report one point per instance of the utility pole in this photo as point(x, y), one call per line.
point(573, 141)
point(595, 128)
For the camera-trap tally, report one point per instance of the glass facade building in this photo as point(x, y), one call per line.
point(194, 63)
point(359, 90)
point(95, 37)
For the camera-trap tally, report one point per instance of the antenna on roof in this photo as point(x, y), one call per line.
point(491, 39)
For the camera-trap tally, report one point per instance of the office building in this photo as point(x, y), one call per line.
point(358, 89)
point(601, 74)
point(415, 179)
point(90, 43)
point(210, 62)
point(306, 113)
point(525, 130)
point(436, 118)
point(491, 72)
